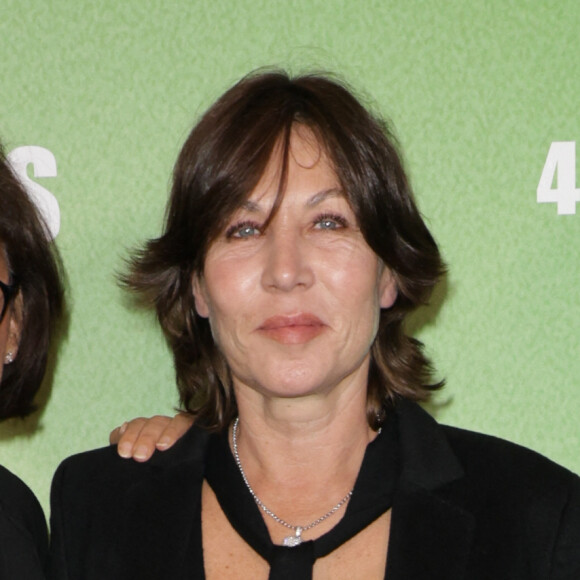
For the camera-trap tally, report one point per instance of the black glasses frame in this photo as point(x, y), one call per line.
point(9, 291)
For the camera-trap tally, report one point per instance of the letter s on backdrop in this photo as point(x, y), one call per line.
point(44, 164)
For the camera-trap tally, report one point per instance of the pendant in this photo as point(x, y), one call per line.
point(292, 541)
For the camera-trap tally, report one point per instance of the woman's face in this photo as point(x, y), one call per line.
point(294, 308)
point(9, 327)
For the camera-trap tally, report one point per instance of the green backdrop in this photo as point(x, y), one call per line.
point(477, 92)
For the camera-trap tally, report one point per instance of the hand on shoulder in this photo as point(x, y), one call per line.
point(139, 438)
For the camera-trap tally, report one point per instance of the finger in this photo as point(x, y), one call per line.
point(145, 436)
point(177, 427)
point(128, 436)
point(116, 433)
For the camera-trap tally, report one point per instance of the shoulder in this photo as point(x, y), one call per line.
point(105, 468)
point(487, 475)
point(486, 456)
point(521, 485)
point(520, 494)
point(524, 508)
point(23, 532)
point(105, 509)
point(100, 483)
point(15, 495)
point(19, 506)
point(434, 454)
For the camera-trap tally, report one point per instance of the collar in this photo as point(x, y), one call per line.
point(431, 533)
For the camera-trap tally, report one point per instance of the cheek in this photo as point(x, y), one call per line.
point(227, 296)
point(222, 285)
point(358, 278)
point(231, 283)
point(354, 293)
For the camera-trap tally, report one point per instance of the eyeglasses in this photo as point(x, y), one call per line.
point(7, 294)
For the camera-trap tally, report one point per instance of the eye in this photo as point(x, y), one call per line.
point(330, 222)
point(243, 230)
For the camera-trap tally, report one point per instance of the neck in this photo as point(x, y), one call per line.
point(309, 446)
point(301, 456)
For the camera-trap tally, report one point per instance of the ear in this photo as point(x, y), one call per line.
point(200, 295)
point(15, 326)
point(387, 288)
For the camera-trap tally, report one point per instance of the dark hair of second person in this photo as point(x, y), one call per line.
point(36, 272)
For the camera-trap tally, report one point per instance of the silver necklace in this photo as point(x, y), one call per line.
point(289, 541)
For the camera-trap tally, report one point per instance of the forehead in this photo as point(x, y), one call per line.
point(298, 167)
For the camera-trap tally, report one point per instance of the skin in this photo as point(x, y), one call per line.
point(10, 325)
point(139, 438)
point(295, 308)
point(336, 251)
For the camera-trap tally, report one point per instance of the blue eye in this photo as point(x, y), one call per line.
point(330, 222)
point(247, 232)
point(327, 224)
point(243, 230)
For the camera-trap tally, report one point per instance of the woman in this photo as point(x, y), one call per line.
point(31, 305)
point(31, 298)
point(292, 252)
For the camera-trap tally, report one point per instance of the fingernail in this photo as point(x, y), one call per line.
point(141, 453)
point(123, 428)
point(163, 443)
point(124, 450)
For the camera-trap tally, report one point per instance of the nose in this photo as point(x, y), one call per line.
point(287, 264)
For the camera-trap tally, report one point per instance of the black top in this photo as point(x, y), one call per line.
point(466, 507)
point(23, 535)
point(372, 496)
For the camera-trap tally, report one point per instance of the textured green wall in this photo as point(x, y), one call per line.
point(477, 92)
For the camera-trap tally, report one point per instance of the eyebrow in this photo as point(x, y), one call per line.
point(250, 206)
point(317, 198)
point(324, 194)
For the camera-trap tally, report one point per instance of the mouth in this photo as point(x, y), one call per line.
point(294, 329)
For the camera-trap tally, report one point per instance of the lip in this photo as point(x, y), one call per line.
point(292, 329)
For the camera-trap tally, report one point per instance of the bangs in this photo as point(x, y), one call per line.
point(228, 152)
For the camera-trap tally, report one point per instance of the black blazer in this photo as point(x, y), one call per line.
point(23, 533)
point(468, 507)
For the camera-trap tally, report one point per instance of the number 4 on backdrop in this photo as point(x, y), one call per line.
point(560, 164)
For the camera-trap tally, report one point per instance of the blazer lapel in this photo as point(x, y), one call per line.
point(430, 538)
point(431, 533)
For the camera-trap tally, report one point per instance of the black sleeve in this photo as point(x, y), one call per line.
point(87, 515)
point(57, 561)
point(84, 518)
point(23, 533)
point(566, 558)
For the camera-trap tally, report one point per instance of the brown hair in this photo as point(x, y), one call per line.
point(220, 164)
point(35, 267)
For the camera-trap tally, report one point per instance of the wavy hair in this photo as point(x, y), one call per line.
point(218, 167)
